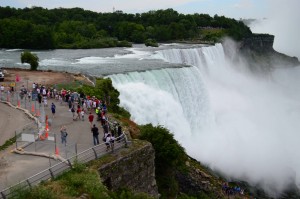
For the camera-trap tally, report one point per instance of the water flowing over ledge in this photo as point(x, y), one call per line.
point(241, 125)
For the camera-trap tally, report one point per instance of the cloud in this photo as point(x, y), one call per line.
point(285, 26)
point(243, 4)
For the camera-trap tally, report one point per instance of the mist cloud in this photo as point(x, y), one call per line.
point(282, 20)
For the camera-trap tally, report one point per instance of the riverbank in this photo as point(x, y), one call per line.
point(46, 78)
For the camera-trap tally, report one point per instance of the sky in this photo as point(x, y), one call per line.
point(277, 17)
point(231, 8)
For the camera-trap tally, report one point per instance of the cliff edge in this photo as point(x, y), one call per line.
point(258, 50)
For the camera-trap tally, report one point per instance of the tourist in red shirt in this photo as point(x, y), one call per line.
point(91, 118)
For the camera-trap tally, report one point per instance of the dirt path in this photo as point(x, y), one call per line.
point(47, 78)
point(13, 167)
point(10, 120)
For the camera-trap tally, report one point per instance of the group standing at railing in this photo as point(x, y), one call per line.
point(79, 105)
point(113, 137)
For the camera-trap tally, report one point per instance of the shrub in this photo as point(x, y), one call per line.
point(32, 59)
point(169, 157)
point(168, 152)
point(151, 42)
point(104, 90)
point(124, 43)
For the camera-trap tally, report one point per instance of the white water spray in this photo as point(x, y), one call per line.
point(245, 127)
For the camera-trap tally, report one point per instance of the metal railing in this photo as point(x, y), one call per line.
point(23, 102)
point(66, 165)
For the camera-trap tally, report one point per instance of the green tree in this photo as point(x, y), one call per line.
point(169, 157)
point(104, 90)
point(30, 58)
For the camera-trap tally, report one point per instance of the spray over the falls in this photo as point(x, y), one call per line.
point(243, 126)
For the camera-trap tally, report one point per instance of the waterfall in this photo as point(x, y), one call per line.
point(174, 98)
point(243, 126)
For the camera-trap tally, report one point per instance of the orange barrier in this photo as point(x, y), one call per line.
point(47, 126)
point(32, 108)
point(56, 151)
point(37, 112)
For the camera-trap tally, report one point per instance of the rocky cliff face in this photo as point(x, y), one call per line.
point(259, 53)
point(135, 171)
point(259, 43)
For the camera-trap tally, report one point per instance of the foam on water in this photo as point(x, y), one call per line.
point(243, 126)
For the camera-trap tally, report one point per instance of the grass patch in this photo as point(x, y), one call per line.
point(8, 143)
point(212, 34)
point(70, 85)
point(80, 180)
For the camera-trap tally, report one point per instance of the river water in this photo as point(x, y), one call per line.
point(95, 62)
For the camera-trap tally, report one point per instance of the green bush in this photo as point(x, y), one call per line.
point(168, 152)
point(124, 43)
point(32, 59)
point(169, 157)
point(151, 42)
point(104, 90)
point(128, 194)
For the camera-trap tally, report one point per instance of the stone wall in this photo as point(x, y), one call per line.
point(135, 171)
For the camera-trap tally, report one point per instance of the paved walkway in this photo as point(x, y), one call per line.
point(15, 167)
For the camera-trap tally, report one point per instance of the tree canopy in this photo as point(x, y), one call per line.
point(30, 58)
point(79, 28)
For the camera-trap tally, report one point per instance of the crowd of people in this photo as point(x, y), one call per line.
point(230, 191)
point(79, 105)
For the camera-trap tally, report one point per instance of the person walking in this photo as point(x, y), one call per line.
point(53, 107)
point(82, 114)
point(108, 141)
point(95, 132)
point(40, 99)
point(91, 118)
point(78, 111)
point(63, 135)
point(73, 111)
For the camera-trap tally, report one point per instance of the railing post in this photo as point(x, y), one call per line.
point(70, 164)
point(3, 195)
point(16, 139)
point(25, 96)
point(95, 153)
point(125, 140)
point(51, 173)
point(76, 149)
point(28, 183)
